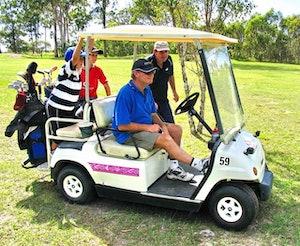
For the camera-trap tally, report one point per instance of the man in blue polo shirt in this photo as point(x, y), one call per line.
point(135, 113)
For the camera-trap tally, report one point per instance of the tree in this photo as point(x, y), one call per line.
point(32, 20)
point(261, 34)
point(217, 12)
point(291, 26)
point(101, 11)
point(11, 17)
point(236, 30)
point(66, 17)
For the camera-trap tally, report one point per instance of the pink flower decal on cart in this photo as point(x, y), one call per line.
point(128, 171)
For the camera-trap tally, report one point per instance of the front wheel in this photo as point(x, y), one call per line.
point(233, 207)
point(75, 185)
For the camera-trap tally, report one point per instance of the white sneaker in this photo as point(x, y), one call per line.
point(179, 174)
point(43, 167)
point(201, 164)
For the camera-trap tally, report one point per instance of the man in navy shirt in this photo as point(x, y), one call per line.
point(163, 76)
point(135, 115)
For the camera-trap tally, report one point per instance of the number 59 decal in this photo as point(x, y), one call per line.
point(224, 161)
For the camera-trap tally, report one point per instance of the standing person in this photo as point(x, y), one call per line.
point(65, 95)
point(164, 75)
point(96, 76)
point(135, 116)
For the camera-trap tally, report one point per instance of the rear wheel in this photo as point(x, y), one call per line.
point(75, 185)
point(233, 207)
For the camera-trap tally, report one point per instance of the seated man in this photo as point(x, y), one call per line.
point(135, 113)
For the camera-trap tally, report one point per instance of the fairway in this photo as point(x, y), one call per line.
point(32, 212)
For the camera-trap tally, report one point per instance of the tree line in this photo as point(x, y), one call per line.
point(267, 37)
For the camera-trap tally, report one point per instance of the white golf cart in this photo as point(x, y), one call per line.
point(235, 180)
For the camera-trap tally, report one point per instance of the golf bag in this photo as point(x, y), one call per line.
point(29, 122)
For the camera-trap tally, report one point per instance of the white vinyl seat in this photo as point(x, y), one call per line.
point(71, 131)
point(104, 111)
point(113, 148)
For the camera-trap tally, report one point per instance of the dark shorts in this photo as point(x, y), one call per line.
point(144, 140)
point(54, 112)
point(165, 112)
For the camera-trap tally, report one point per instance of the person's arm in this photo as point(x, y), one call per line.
point(157, 120)
point(103, 80)
point(173, 87)
point(76, 54)
point(137, 127)
point(107, 89)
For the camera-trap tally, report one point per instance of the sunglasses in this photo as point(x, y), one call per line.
point(152, 72)
point(162, 51)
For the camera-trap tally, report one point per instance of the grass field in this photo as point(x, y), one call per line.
point(33, 213)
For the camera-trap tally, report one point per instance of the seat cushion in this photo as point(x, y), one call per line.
point(113, 148)
point(104, 110)
point(71, 131)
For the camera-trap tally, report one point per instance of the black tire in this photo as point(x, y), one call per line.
point(233, 207)
point(75, 185)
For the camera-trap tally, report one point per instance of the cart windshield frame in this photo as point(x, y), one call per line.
point(222, 90)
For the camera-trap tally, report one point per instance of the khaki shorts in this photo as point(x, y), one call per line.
point(144, 140)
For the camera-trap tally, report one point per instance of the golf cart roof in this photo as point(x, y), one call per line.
point(155, 33)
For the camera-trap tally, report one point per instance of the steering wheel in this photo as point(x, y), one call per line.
point(187, 103)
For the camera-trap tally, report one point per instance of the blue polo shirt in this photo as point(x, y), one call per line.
point(132, 106)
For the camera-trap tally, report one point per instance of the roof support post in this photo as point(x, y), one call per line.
point(202, 83)
point(86, 111)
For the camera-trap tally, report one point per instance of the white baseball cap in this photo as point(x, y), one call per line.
point(161, 46)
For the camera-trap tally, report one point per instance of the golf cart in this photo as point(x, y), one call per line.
point(236, 179)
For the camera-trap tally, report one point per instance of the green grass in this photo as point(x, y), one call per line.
point(33, 213)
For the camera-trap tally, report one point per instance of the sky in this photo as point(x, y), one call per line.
point(286, 7)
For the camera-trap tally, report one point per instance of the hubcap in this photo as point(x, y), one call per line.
point(72, 186)
point(229, 209)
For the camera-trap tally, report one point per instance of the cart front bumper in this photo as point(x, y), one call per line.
point(265, 186)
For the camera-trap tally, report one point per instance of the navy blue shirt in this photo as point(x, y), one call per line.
point(159, 86)
point(132, 106)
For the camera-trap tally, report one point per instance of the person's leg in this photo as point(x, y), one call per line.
point(52, 112)
point(150, 140)
point(147, 141)
point(175, 132)
point(165, 141)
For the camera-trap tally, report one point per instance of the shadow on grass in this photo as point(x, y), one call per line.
point(266, 66)
point(111, 219)
point(122, 223)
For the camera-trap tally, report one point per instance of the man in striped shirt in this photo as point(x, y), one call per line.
point(65, 95)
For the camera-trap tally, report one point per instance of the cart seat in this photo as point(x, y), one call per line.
point(104, 111)
point(103, 115)
point(72, 131)
point(113, 148)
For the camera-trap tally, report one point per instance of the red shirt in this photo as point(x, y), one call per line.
point(96, 74)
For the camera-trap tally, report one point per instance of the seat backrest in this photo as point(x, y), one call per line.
point(104, 110)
